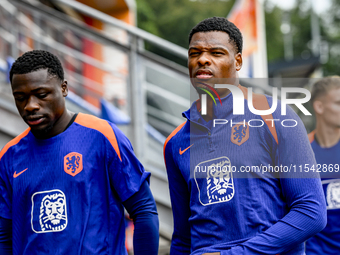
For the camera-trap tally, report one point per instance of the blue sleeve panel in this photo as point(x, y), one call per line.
point(302, 221)
point(142, 209)
point(180, 201)
point(5, 236)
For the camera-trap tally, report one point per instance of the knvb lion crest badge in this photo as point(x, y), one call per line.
point(333, 194)
point(239, 134)
point(49, 211)
point(73, 163)
point(214, 180)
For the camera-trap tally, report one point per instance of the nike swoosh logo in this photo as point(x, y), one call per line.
point(15, 175)
point(182, 151)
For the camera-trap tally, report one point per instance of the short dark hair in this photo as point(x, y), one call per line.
point(323, 86)
point(35, 60)
point(220, 24)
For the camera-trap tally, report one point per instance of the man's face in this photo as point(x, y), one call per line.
point(330, 108)
point(39, 98)
point(213, 60)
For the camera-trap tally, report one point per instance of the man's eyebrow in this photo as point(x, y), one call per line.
point(193, 48)
point(214, 48)
point(40, 88)
point(219, 48)
point(18, 92)
point(34, 90)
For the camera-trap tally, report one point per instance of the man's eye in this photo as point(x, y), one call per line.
point(42, 95)
point(217, 53)
point(20, 99)
point(193, 53)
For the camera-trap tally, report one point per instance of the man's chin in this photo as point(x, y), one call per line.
point(41, 130)
point(202, 83)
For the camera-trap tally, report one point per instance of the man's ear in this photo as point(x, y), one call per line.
point(318, 107)
point(238, 61)
point(64, 88)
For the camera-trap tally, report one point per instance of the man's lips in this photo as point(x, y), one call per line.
point(34, 121)
point(204, 74)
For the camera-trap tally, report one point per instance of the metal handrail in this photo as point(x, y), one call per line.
point(81, 28)
point(47, 40)
point(159, 42)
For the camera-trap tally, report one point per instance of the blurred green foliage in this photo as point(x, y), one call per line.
point(273, 32)
point(173, 20)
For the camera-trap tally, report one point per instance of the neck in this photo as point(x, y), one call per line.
point(55, 128)
point(326, 135)
point(210, 109)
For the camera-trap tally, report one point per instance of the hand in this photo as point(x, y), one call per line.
point(214, 253)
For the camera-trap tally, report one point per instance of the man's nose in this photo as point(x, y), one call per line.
point(204, 59)
point(32, 104)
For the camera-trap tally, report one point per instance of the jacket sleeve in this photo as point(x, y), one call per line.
point(180, 202)
point(307, 216)
point(142, 209)
point(302, 191)
point(125, 171)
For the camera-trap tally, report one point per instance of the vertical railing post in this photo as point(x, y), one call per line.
point(137, 104)
point(36, 37)
point(14, 30)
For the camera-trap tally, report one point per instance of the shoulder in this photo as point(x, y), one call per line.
point(173, 135)
point(263, 104)
point(105, 128)
point(14, 142)
point(311, 136)
point(277, 119)
point(93, 122)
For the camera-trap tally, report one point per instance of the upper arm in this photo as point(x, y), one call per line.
point(142, 202)
point(5, 193)
point(126, 173)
